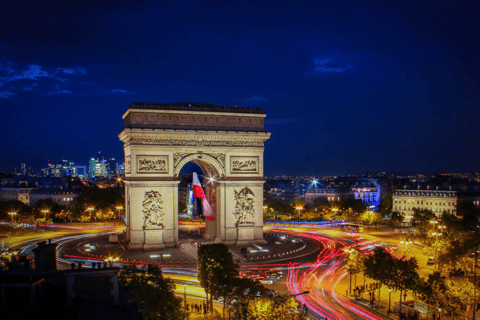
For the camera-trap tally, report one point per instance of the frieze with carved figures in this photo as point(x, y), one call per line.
point(152, 164)
point(244, 164)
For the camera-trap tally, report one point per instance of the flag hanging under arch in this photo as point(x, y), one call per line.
point(198, 193)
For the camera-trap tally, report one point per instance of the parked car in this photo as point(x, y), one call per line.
point(431, 260)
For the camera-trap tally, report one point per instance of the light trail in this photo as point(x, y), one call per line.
point(322, 277)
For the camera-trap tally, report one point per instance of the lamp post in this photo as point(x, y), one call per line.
point(118, 208)
point(13, 214)
point(45, 211)
point(389, 300)
point(299, 208)
point(90, 209)
point(475, 286)
point(439, 313)
point(349, 251)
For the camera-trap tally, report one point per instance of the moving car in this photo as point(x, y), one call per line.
point(431, 260)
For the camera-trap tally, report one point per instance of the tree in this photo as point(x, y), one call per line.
point(421, 221)
point(432, 289)
point(404, 275)
point(386, 204)
point(396, 217)
point(216, 268)
point(182, 206)
point(153, 293)
point(241, 291)
point(468, 214)
point(355, 264)
point(278, 309)
point(379, 266)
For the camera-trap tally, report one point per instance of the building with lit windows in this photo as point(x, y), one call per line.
point(329, 194)
point(438, 201)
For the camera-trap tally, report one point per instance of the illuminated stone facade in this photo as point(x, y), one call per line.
point(227, 142)
point(437, 201)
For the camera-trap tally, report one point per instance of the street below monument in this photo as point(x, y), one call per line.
point(319, 268)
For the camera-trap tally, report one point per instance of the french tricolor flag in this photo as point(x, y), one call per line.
point(198, 193)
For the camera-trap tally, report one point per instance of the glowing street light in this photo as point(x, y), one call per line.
point(90, 209)
point(118, 208)
point(389, 299)
point(12, 214)
point(46, 211)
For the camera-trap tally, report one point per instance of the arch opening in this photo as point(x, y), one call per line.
point(192, 222)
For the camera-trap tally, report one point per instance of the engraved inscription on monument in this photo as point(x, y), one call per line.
point(244, 206)
point(152, 164)
point(244, 164)
point(152, 210)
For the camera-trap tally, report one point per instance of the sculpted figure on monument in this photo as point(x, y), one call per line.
point(245, 206)
point(152, 209)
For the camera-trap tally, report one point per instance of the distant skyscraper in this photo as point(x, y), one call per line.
point(24, 169)
point(111, 168)
point(58, 169)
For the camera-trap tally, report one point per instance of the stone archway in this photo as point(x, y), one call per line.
point(227, 142)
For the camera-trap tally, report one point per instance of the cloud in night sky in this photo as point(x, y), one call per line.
point(11, 72)
point(72, 70)
point(6, 94)
point(329, 65)
point(117, 91)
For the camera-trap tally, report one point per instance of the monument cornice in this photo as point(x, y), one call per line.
point(206, 113)
point(193, 138)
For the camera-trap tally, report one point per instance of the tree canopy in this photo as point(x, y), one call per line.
point(153, 293)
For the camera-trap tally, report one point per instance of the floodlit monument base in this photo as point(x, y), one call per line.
point(227, 143)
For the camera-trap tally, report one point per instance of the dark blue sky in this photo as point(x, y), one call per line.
point(348, 87)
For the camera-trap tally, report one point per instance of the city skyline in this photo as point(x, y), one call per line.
point(346, 88)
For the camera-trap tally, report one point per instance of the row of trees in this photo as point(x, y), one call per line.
point(96, 202)
point(218, 274)
point(451, 293)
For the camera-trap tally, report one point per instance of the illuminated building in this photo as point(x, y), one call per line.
point(436, 200)
point(59, 169)
point(329, 194)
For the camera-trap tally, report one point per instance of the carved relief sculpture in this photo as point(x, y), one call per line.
point(244, 206)
point(127, 164)
point(152, 164)
point(152, 210)
point(244, 164)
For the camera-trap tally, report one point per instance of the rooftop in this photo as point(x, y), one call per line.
point(193, 106)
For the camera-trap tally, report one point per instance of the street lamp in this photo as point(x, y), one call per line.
point(389, 299)
point(349, 251)
point(46, 211)
point(118, 208)
point(440, 313)
point(12, 214)
point(90, 209)
point(299, 208)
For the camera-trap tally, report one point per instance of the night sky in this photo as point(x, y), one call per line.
point(348, 87)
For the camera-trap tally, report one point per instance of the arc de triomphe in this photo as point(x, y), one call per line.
point(227, 142)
